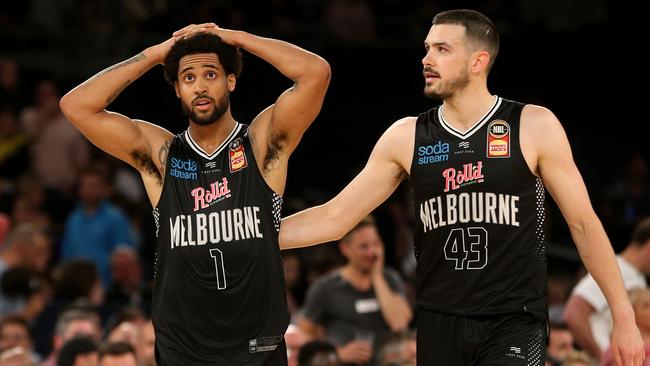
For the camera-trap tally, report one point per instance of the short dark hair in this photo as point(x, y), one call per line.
point(230, 57)
point(116, 349)
point(74, 347)
point(479, 29)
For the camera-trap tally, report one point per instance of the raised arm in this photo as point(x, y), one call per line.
point(387, 166)
point(551, 151)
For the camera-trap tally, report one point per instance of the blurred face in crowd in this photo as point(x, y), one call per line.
point(14, 335)
point(362, 247)
point(291, 265)
point(560, 344)
point(126, 270)
point(92, 189)
point(39, 253)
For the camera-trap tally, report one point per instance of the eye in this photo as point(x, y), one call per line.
point(211, 74)
point(442, 50)
point(188, 77)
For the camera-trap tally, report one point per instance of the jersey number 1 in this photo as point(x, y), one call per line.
point(467, 247)
point(217, 255)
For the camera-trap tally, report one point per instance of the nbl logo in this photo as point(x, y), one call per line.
point(498, 139)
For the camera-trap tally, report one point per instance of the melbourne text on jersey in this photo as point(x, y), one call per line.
point(476, 207)
point(215, 227)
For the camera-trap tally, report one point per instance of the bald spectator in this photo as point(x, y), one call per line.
point(587, 313)
point(398, 349)
point(117, 354)
point(71, 324)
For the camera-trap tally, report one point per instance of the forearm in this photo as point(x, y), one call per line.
point(598, 257)
point(311, 226)
point(292, 61)
point(394, 308)
point(96, 93)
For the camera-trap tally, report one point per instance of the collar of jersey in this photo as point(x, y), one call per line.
point(198, 150)
point(477, 126)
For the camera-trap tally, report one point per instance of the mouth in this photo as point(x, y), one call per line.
point(202, 104)
point(430, 76)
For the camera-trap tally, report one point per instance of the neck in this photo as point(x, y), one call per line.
point(209, 137)
point(467, 106)
point(359, 279)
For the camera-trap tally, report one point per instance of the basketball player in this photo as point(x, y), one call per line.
point(216, 188)
point(478, 165)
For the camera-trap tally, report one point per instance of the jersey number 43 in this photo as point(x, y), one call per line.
point(467, 247)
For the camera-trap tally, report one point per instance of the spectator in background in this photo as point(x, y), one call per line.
point(5, 226)
point(117, 354)
point(96, 227)
point(59, 152)
point(317, 353)
point(145, 344)
point(578, 358)
point(398, 349)
point(12, 91)
point(127, 286)
point(79, 351)
point(70, 324)
point(587, 313)
point(640, 299)
point(560, 344)
point(14, 332)
point(28, 249)
point(14, 151)
point(354, 307)
point(76, 284)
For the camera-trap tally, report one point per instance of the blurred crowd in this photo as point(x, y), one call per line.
point(77, 236)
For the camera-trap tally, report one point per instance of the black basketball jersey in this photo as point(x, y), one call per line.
point(219, 295)
point(479, 212)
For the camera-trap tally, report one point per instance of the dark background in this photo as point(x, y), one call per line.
point(581, 59)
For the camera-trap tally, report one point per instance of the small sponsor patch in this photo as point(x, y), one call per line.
point(237, 156)
point(264, 344)
point(498, 139)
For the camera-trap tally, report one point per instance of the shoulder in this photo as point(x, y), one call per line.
point(327, 280)
point(538, 117)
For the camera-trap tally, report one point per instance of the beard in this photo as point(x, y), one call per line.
point(218, 109)
point(446, 89)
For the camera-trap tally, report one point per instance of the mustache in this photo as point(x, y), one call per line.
point(202, 97)
point(430, 70)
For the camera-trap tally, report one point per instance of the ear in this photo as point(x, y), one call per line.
point(344, 248)
point(177, 90)
point(480, 61)
point(232, 82)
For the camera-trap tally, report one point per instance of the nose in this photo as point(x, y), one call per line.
point(427, 59)
point(200, 87)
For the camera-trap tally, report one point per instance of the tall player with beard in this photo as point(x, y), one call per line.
point(477, 165)
point(216, 190)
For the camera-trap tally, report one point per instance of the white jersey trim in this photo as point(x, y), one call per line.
point(477, 126)
point(216, 152)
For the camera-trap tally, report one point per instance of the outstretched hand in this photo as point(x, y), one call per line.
point(627, 345)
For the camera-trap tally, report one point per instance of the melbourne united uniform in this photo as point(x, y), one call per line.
point(480, 247)
point(219, 294)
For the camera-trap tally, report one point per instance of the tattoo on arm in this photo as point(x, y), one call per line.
point(137, 58)
point(162, 155)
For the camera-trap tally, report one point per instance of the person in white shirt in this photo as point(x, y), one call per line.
point(587, 313)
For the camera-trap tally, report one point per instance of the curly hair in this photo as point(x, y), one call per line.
point(229, 56)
